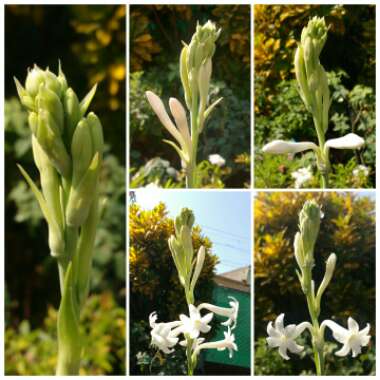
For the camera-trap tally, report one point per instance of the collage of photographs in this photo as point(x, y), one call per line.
point(189, 189)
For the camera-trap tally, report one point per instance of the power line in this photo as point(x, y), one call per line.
point(225, 232)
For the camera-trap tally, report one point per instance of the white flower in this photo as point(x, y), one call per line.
point(231, 313)
point(164, 335)
point(228, 342)
point(361, 170)
point(302, 176)
point(352, 338)
point(284, 337)
point(216, 159)
point(195, 323)
point(281, 147)
point(349, 141)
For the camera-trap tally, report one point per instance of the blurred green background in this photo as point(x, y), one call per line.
point(349, 59)
point(156, 35)
point(90, 42)
point(348, 230)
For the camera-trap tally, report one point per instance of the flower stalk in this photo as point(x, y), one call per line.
point(285, 337)
point(165, 334)
point(67, 148)
point(314, 91)
point(195, 72)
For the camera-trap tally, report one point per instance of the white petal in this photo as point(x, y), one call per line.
point(339, 333)
point(344, 350)
point(352, 325)
point(294, 347)
point(180, 118)
point(279, 323)
point(350, 141)
point(272, 332)
point(273, 342)
point(207, 318)
point(281, 147)
point(283, 353)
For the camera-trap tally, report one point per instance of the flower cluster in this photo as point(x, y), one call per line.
point(195, 71)
point(284, 337)
point(314, 91)
point(166, 335)
point(187, 330)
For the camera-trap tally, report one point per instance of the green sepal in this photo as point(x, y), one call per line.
point(85, 103)
point(181, 154)
point(96, 130)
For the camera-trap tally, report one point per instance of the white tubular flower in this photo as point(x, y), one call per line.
point(283, 147)
point(352, 338)
point(284, 337)
point(229, 312)
point(228, 342)
point(195, 324)
point(164, 335)
point(181, 134)
point(350, 141)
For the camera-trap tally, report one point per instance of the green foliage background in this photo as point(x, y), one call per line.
point(156, 34)
point(90, 42)
point(154, 286)
point(348, 57)
point(348, 229)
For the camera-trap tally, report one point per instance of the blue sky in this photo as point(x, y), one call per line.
point(224, 216)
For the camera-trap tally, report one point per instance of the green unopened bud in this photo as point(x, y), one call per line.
point(202, 45)
point(183, 70)
point(309, 222)
point(187, 244)
point(298, 250)
point(52, 143)
point(50, 185)
point(96, 131)
point(37, 77)
point(185, 218)
point(81, 151)
point(72, 111)
point(62, 78)
point(81, 196)
point(50, 102)
point(330, 267)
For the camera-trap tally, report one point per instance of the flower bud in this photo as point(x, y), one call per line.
point(96, 131)
point(183, 70)
point(82, 195)
point(298, 250)
point(81, 151)
point(72, 111)
point(48, 100)
point(309, 219)
point(52, 143)
point(34, 79)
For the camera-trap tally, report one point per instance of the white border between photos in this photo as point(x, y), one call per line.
point(252, 190)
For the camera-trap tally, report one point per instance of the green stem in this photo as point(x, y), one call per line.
point(191, 174)
point(317, 340)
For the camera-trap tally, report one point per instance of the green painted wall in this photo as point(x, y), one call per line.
point(241, 358)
